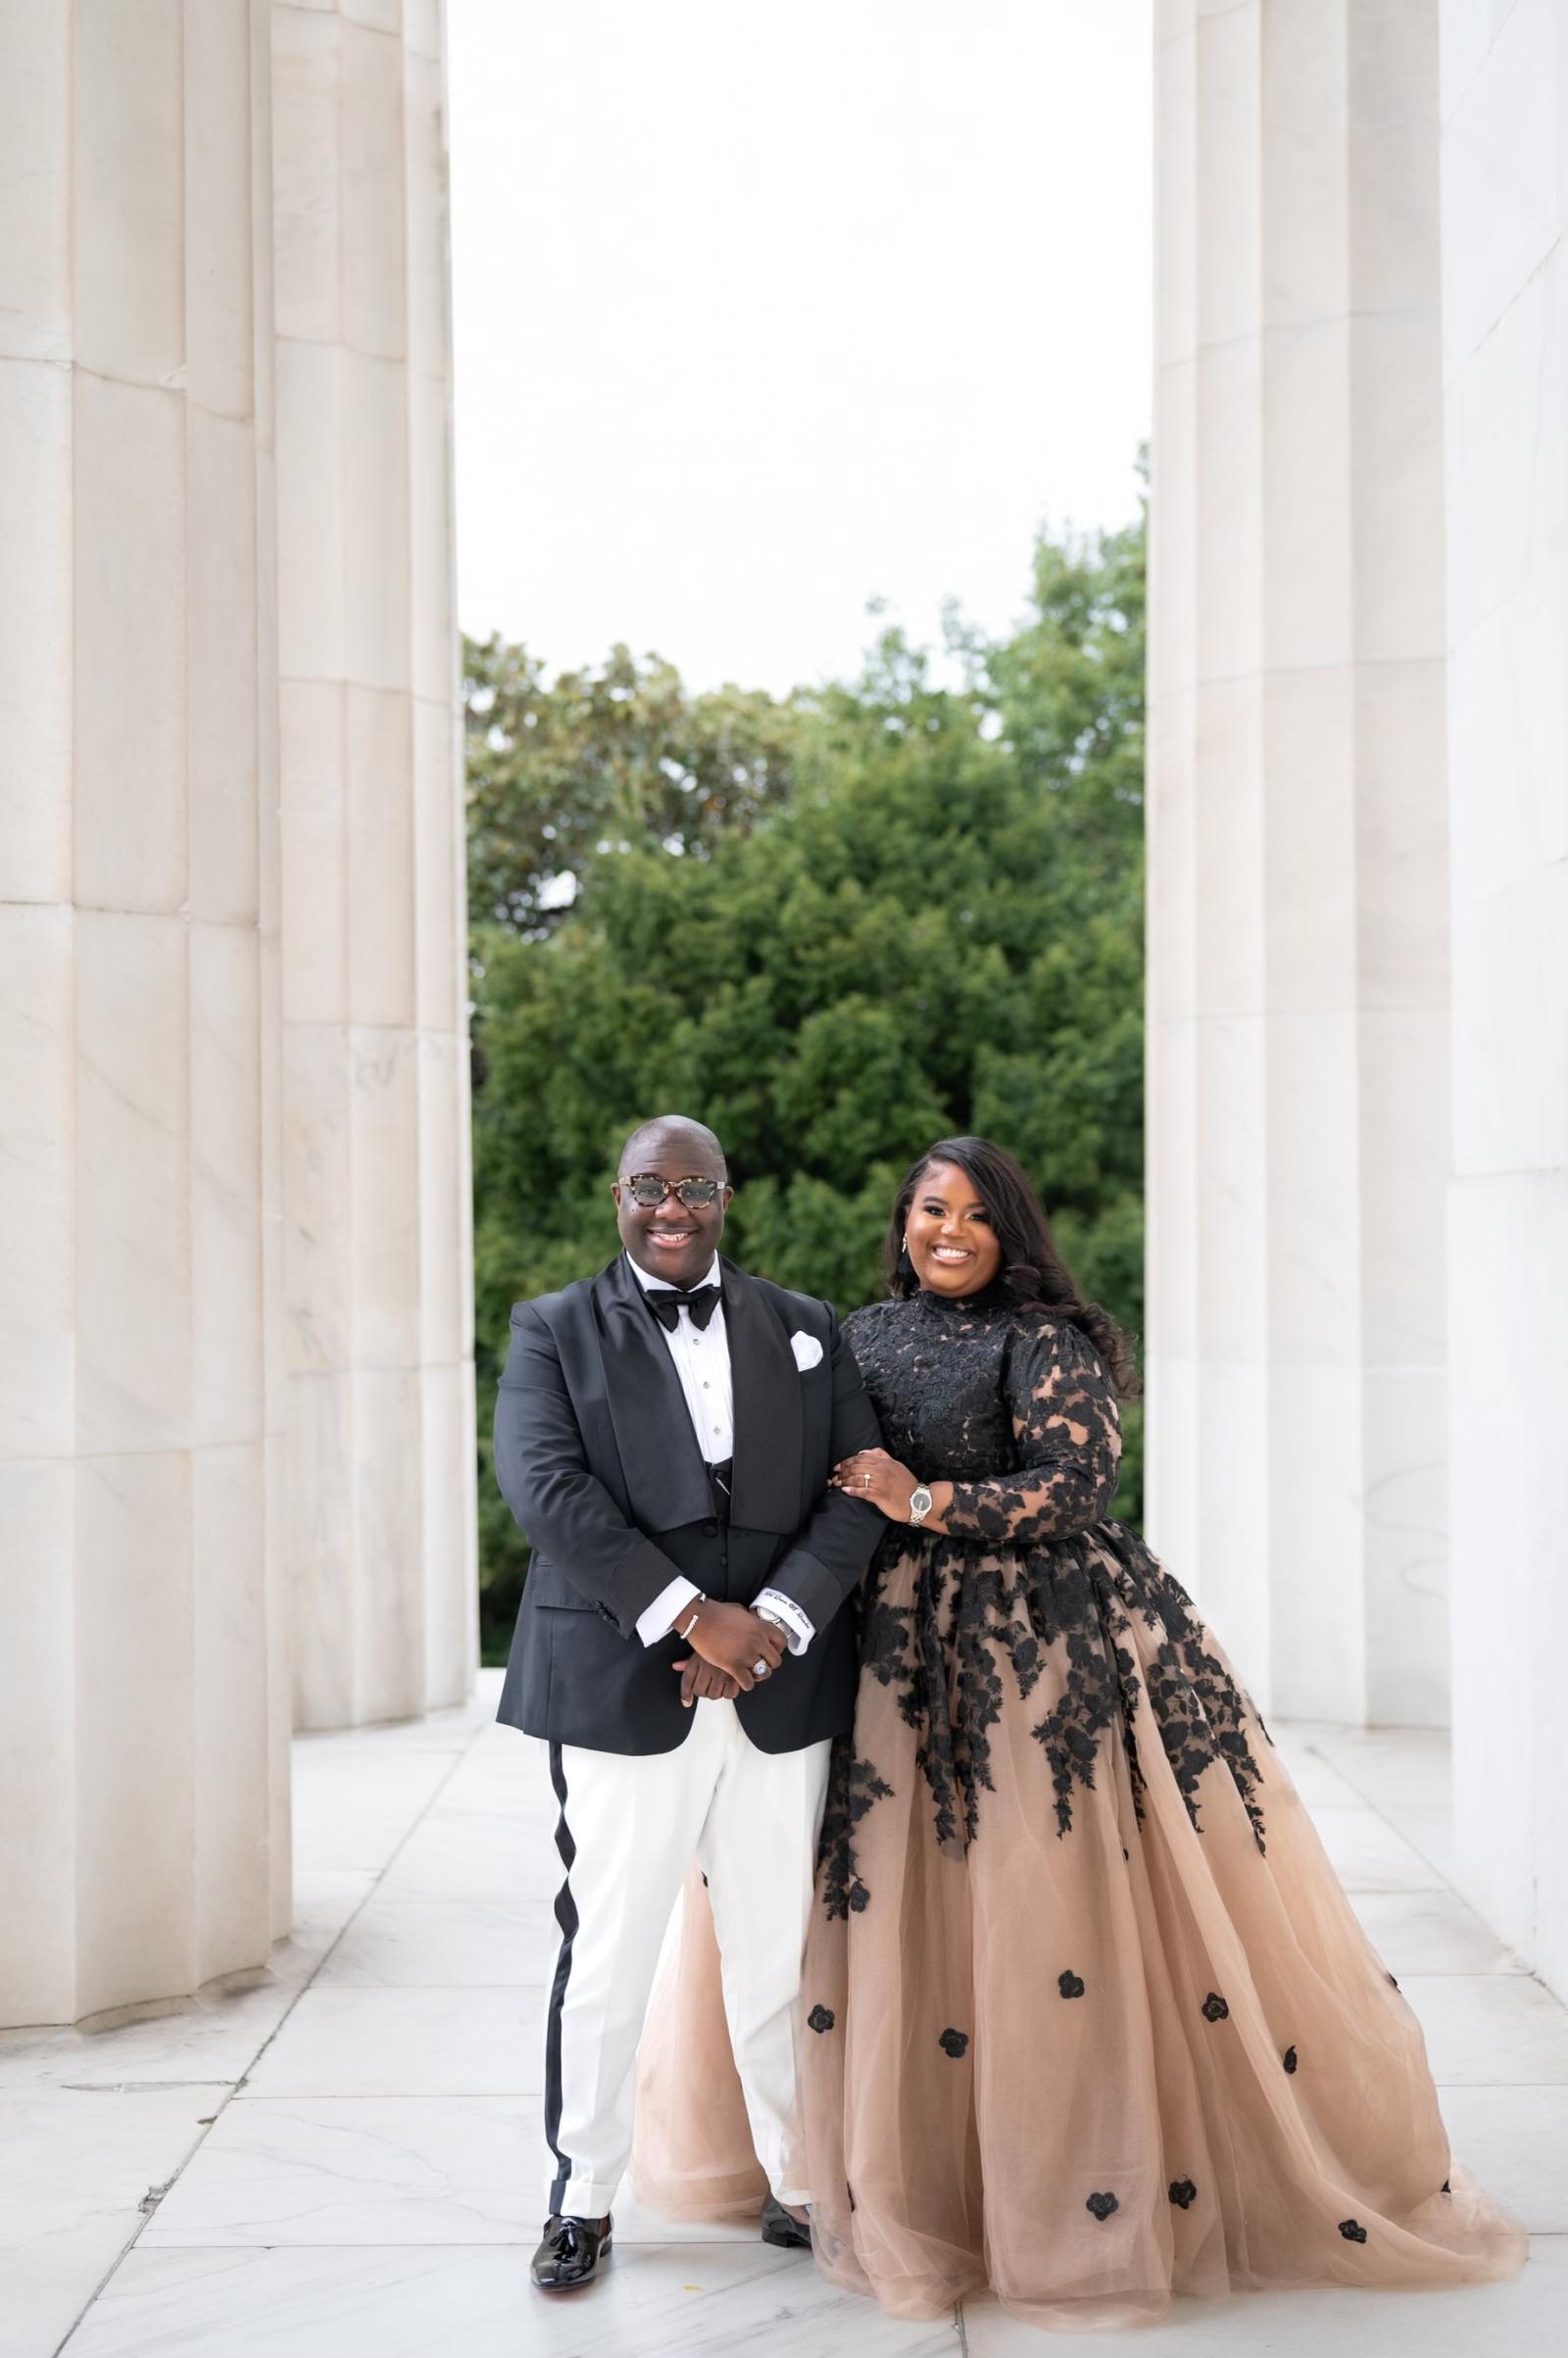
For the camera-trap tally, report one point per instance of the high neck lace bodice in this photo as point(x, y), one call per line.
point(944, 1376)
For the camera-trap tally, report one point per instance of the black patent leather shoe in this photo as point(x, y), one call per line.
point(571, 2252)
point(790, 2235)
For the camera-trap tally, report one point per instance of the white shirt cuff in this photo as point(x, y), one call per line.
point(798, 1629)
point(665, 1610)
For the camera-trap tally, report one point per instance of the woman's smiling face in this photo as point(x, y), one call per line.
point(951, 1241)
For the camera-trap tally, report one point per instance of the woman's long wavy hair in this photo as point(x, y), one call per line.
point(1032, 1269)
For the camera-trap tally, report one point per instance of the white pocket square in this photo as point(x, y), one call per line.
point(806, 1349)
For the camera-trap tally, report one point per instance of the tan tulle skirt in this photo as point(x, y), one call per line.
point(1127, 2039)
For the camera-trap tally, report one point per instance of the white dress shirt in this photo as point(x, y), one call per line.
point(702, 1361)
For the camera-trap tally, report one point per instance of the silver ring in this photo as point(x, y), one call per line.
point(761, 1669)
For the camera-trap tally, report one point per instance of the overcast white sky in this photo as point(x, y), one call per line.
point(761, 311)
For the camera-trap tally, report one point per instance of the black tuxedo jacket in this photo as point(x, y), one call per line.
point(597, 1459)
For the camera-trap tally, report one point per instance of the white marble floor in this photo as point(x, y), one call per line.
point(337, 2158)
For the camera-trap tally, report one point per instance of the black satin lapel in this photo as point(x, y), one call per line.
point(667, 1481)
point(768, 1430)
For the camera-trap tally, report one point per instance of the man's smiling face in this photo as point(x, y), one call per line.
point(672, 1240)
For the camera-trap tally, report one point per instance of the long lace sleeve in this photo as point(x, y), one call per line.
point(1068, 1434)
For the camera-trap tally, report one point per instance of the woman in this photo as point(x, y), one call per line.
point(1089, 2017)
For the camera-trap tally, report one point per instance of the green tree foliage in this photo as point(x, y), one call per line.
point(927, 919)
point(603, 758)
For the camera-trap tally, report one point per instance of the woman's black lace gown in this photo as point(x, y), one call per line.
point(1089, 2018)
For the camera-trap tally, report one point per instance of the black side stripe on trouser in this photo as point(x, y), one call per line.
point(566, 1918)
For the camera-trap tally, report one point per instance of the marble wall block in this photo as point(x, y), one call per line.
point(377, 1247)
point(1298, 849)
point(1508, 1504)
point(234, 1179)
point(306, 77)
point(224, 352)
point(452, 1600)
point(314, 754)
point(379, 798)
point(143, 1757)
point(318, 1229)
point(129, 219)
point(425, 28)
point(228, 1362)
point(137, 1899)
point(373, 252)
point(1306, 402)
point(1316, 1538)
point(386, 1502)
point(385, 1222)
point(35, 621)
point(37, 1275)
point(1404, 1520)
point(1505, 105)
point(232, 1786)
point(1225, 154)
point(277, 1617)
point(432, 620)
point(35, 298)
point(441, 943)
point(1402, 738)
point(319, 1527)
point(313, 425)
point(38, 1739)
point(129, 705)
point(134, 1308)
point(427, 220)
point(443, 1118)
point(377, 585)
point(223, 682)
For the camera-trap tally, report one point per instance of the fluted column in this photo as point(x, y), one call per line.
point(1505, 308)
point(380, 1483)
point(1297, 870)
point(143, 1693)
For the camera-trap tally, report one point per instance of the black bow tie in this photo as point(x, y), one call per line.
point(666, 1305)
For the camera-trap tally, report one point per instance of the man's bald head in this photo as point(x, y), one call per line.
point(674, 1134)
point(668, 1237)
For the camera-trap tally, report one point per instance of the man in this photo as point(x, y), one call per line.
point(663, 1435)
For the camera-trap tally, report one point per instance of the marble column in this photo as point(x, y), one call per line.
point(143, 1688)
point(1297, 873)
point(1504, 106)
point(376, 1192)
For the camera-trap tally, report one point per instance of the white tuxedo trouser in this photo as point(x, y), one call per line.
point(629, 1828)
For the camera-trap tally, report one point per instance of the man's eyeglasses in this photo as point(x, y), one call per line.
point(648, 1189)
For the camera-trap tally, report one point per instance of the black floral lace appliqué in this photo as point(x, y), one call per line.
point(1013, 1409)
point(1182, 2192)
point(1352, 2231)
point(1070, 1984)
point(820, 2018)
point(1291, 2059)
point(1101, 2205)
point(1214, 2008)
point(953, 2043)
point(852, 1788)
